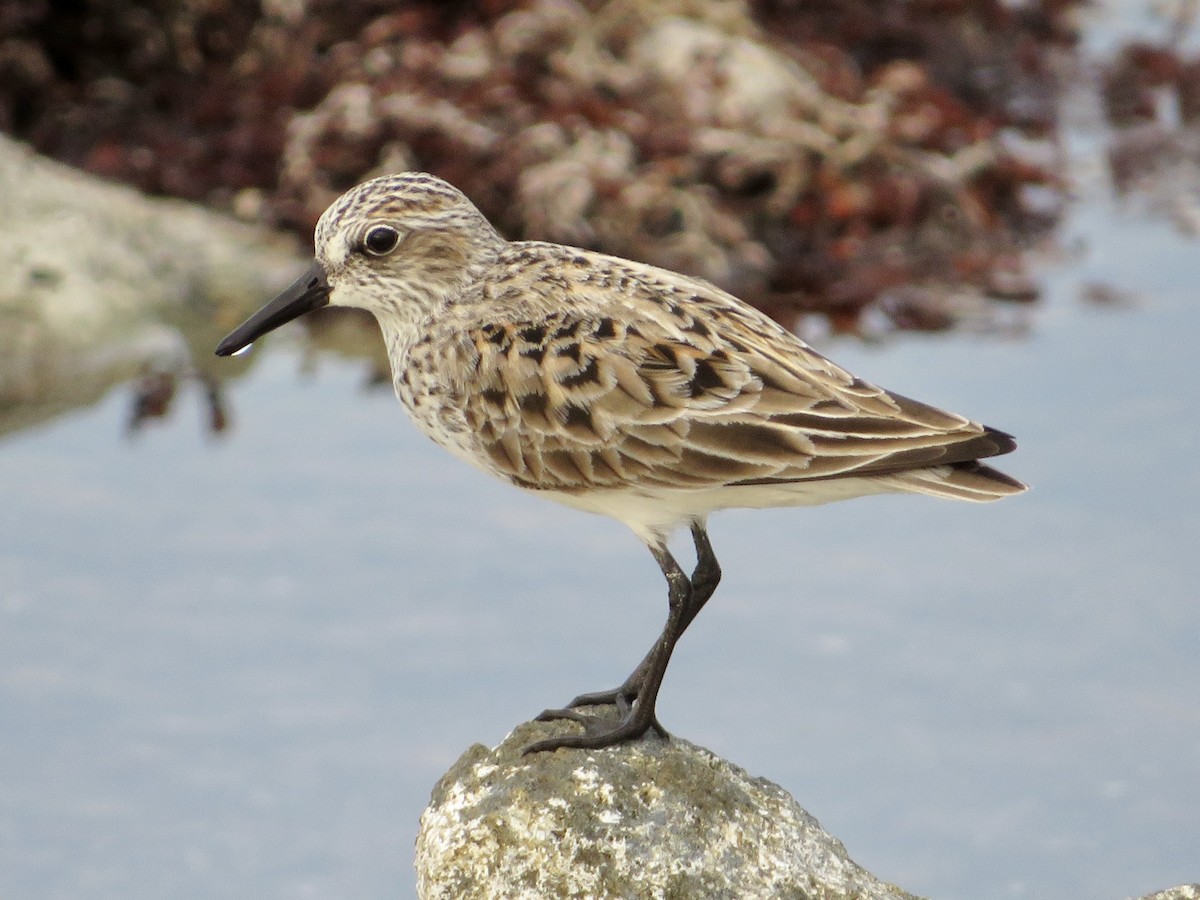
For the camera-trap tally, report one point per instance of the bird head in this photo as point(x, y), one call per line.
point(396, 246)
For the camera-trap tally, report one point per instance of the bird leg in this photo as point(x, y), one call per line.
point(636, 696)
point(707, 574)
point(705, 578)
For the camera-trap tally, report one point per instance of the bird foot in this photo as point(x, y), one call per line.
point(598, 731)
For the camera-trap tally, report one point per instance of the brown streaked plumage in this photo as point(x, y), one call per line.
point(618, 388)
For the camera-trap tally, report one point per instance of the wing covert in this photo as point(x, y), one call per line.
point(684, 388)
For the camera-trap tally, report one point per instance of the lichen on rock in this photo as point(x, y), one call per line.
point(653, 818)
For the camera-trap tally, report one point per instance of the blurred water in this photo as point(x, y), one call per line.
point(236, 668)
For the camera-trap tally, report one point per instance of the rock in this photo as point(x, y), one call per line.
point(100, 284)
point(1183, 892)
point(653, 818)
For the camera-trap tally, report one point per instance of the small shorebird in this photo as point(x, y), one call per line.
point(617, 388)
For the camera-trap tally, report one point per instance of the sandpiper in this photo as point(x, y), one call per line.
point(618, 388)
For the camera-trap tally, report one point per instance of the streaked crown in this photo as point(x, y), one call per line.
point(416, 199)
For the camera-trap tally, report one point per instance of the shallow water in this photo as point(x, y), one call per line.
point(236, 667)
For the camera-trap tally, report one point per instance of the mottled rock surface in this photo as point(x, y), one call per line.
point(1183, 892)
point(652, 819)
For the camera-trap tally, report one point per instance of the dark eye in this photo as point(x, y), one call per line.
point(381, 240)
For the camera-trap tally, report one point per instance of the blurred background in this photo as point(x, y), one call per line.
point(248, 616)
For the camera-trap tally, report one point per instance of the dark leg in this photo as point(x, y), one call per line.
point(707, 574)
point(635, 699)
point(705, 578)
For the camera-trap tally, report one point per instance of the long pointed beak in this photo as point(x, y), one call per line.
point(310, 291)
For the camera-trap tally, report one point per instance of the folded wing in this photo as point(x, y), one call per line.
point(689, 388)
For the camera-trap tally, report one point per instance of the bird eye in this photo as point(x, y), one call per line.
point(381, 240)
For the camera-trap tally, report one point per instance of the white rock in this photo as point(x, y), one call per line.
point(649, 819)
point(99, 283)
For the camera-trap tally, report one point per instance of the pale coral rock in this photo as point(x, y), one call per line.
point(649, 819)
point(99, 283)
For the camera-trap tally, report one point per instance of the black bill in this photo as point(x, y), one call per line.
point(308, 292)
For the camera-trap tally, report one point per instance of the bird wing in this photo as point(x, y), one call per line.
point(676, 384)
